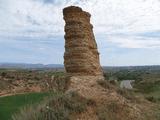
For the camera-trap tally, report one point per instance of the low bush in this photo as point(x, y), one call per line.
point(105, 84)
point(58, 107)
point(151, 99)
point(128, 94)
point(112, 111)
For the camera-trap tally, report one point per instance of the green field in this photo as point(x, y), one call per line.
point(147, 79)
point(151, 90)
point(11, 104)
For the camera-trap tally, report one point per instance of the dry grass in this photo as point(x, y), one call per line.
point(58, 107)
point(112, 111)
point(128, 94)
point(58, 83)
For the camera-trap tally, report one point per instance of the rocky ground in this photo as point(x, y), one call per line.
point(109, 103)
point(107, 100)
point(22, 81)
point(21, 86)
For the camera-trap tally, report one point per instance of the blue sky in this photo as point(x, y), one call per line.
point(127, 31)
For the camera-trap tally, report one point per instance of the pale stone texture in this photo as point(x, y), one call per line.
point(81, 56)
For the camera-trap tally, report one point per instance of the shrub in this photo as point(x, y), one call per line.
point(58, 83)
point(105, 84)
point(128, 94)
point(151, 99)
point(3, 74)
point(58, 107)
point(112, 111)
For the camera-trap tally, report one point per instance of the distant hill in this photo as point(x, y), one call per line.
point(52, 66)
point(132, 68)
point(29, 66)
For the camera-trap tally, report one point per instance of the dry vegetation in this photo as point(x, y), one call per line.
point(58, 107)
point(21, 81)
point(98, 100)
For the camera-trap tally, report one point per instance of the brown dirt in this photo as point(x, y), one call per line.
point(20, 87)
point(116, 106)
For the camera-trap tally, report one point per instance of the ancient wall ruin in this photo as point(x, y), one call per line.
point(81, 56)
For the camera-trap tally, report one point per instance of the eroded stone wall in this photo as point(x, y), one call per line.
point(81, 56)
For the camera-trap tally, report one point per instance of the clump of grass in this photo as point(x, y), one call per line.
point(150, 90)
point(105, 84)
point(58, 83)
point(29, 113)
point(104, 112)
point(157, 112)
point(58, 107)
point(128, 94)
point(151, 99)
point(148, 87)
point(112, 111)
point(11, 104)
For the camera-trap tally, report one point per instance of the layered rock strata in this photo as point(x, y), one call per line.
point(81, 60)
point(81, 56)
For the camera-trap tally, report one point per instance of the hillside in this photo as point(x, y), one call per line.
point(100, 99)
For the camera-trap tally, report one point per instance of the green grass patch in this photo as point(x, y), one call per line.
point(12, 104)
point(151, 90)
point(60, 106)
point(149, 87)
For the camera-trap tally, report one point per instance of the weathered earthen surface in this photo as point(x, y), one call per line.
point(81, 61)
point(81, 56)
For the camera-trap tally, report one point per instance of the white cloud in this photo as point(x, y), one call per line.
point(134, 41)
point(21, 16)
point(37, 18)
point(126, 15)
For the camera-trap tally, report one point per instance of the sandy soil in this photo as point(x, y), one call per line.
point(88, 87)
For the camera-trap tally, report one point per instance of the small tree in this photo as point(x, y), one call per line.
point(3, 74)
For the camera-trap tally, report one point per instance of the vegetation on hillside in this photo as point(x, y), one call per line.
point(12, 104)
point(60, 106)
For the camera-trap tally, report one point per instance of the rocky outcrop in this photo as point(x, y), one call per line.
point(81, 56)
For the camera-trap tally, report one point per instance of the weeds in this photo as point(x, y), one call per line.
point(58, 107)
point(112, 111)
point(105, 84)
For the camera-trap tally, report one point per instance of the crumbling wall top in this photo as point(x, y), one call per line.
point(75, 9)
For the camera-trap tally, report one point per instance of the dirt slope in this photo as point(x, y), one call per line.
point(109, 104)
